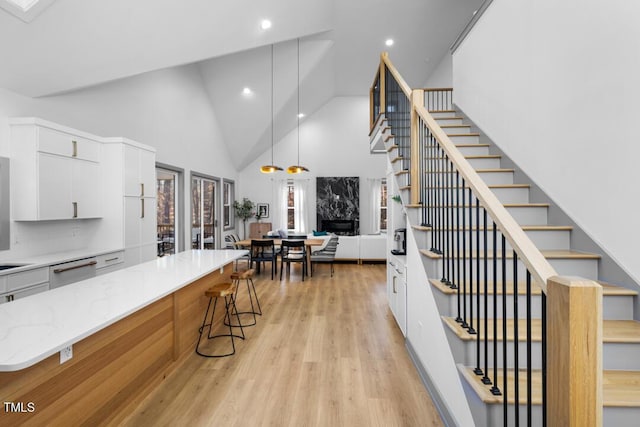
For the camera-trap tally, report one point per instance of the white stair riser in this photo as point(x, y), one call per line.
point(485, 163)
point(489, 178)
point(587, 268)
point(527, 215)
point(480, 150)
point(614, 307)
point(614, 355)
point(441, 114)
point(543, 239)
point(449, 121)
point(457, 196)
point(453, 129)
point(465, 139)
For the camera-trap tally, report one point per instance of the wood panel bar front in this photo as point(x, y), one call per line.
point(112, 370)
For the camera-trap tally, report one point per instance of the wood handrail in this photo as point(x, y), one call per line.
point(384, 57)
point(528, 253)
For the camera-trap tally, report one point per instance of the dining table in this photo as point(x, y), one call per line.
point(308, 244)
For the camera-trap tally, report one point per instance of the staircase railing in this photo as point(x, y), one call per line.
point(484, 252)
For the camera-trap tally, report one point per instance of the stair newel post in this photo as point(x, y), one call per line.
point(417, 98)
point(574, 332)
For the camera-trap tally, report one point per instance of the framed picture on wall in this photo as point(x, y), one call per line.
point(262, 210)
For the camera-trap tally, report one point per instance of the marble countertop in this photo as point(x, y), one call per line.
point(36, 327)
point(32, 262)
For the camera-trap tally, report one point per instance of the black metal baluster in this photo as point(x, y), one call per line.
point(544, 359)
point(446, 277)
point(516, 365)
point(505, 389)
point(462, 230)
point(461, 317)
point(452, 273)
point(470, 209)
point(478, 370)
point(485, 379)
point(494, 389)
point(529, 387)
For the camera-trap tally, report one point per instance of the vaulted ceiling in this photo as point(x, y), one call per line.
point(74, 44)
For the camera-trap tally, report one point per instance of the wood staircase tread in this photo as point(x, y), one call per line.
point(403, 172)
point(406, 187)
point(421, 227)
point(463, 134)
point(472, 145)
point(547, 253)
point(450, 118)
point(613, 331)
point(442, 111)
point(392, 147)
point(619, 388)
point(454, 126)
point(480, 156)
point(397, 159)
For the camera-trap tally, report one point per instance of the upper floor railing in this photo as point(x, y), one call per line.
point(485, 255)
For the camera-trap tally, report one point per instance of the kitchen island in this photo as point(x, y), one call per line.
point(127, 330)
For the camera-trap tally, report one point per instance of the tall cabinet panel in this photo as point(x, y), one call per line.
point(132, 167)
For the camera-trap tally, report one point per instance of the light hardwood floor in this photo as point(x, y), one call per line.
point(326, 352)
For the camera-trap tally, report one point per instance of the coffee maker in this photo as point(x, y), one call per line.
point(400, 239)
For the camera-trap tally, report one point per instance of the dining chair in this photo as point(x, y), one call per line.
point(326, 255)
point(264, 251)
point(293, 251)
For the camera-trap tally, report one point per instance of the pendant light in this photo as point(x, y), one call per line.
point(295, 169)
point(272, 167)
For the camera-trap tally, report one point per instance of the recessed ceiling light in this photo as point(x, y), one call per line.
point(389, 42)
point(246, 91)
point(300, 115)
point(265, 24)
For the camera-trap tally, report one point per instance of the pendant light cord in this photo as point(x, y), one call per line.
point(272, 118)
point(298, 116)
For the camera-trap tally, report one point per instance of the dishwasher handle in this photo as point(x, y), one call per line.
point(62, 270)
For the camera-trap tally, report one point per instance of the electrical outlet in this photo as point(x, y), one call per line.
point(66, 354)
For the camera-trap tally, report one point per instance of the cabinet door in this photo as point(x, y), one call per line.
point(148, 221)
point(54, 187)
point(86, 189)
point(148, 173)
point(132, 222)
point(132, 183)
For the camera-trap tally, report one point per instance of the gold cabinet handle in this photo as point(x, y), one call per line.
point(75, 148)
point(111, 259)
point(142, 189)
point(75, 209)
point(142, 210)
point(394, 285)
point(10, 298)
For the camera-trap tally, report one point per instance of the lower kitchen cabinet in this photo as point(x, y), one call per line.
point(19, 285)
point(397, 290)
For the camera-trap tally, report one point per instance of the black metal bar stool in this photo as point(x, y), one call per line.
point(247, 275)
point(226, 290)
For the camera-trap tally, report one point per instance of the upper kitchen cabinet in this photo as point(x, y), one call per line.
point(139, 172)
point(56, 172)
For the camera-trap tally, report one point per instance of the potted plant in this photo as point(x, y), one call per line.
point(244, 211)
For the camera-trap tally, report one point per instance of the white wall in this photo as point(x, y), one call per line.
point(555, 85)
point(442, 75)
point(167, 109)
point(333, 142)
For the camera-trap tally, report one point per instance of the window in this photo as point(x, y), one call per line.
point(167, 183)
point(227, 204)
point(291, 207)
point(383, 205)
point(203, 212)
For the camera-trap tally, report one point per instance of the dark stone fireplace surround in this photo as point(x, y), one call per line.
point(338, 205)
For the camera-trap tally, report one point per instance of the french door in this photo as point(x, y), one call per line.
point(203, 212)
point(167, 209)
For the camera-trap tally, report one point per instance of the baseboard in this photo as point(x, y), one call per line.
point(441, 406)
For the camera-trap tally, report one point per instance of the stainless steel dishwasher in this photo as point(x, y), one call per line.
point(70, 272)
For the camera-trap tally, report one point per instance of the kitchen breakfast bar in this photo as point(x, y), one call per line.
point(127, 330)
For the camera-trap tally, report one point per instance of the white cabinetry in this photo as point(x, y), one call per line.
point(19, 285)
point(109, 262)
point(131, 181)
point(55, 173)
point(397, 290)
